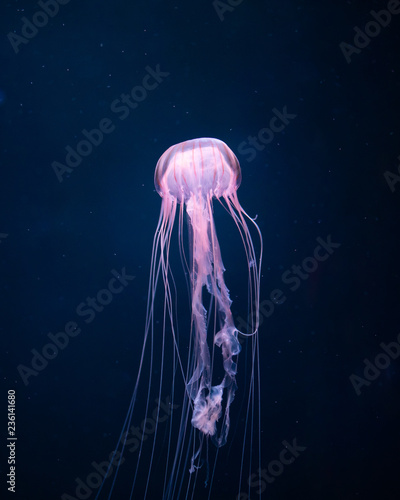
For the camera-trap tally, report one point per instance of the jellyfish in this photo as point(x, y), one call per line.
point(190, 177)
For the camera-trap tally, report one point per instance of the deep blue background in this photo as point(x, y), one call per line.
point(322, 175)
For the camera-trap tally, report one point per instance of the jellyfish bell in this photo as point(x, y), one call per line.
point(200, 166)
point(188, 177)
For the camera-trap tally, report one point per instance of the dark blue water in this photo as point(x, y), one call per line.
point(306, 94)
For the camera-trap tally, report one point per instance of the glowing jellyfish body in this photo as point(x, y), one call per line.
point(192, 174)
point(188, 177)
